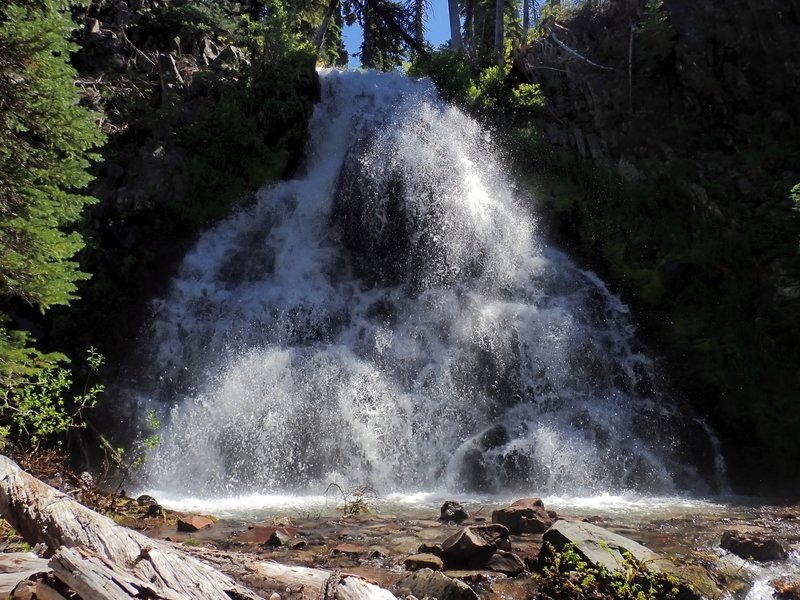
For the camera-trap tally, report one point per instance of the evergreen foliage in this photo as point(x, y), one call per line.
point(46, 140)
point(45, 148)
point(388, 28)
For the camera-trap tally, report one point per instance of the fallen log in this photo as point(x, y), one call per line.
point(16, 566)
point(41, 513)
point(101, 560)
point(312, 584)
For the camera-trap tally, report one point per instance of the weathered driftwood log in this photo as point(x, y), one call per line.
point(101, 560)
point(41, 513)
point(16, 566)
point(310, 584)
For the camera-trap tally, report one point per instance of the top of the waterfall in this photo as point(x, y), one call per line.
point(377, 83)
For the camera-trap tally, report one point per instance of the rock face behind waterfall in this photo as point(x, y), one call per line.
point(392, 317)
point(393, 226)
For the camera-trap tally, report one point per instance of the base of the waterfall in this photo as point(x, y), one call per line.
point(376, 543)
point(424, 504)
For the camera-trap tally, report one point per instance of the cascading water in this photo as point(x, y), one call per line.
point(392, 318)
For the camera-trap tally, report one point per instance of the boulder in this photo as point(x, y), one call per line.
point(230, 59)
point(598, 546)
point(193, 523)
point(208, 50)
point(465, 544)
point(415, 562)
point(504, 562)
point(495, 534)
point(749, 545)
point(524, 516)
point(267, 535)
point(453, 512)
point(432, 584)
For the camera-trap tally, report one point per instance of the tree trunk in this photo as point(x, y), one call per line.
point(526, 21)
point(499, 29)
point(419, 21)
point(101, 560)
point(469, 28)
point(456, 41)
point(319, 39)
point(369, 48)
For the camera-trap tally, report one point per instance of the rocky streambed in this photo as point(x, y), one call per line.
point(493, 549)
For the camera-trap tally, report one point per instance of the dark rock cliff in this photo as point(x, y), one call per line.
point(681, 119)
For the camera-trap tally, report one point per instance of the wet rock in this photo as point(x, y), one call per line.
point(507, 563)
point(598, 546)
point(495, 534)
point(145, 500)
point(465, 544)
point(415, 562)
point(347, 550)
point(264, 534)
point(752, 546)
point(435, 549)
point(280, 537)
point(194, 523)
point(453, 512)
point(524, 516)
point(474, 471)
point(473, 577)
point(786, 588)
point(494, 438)
point(433, 584)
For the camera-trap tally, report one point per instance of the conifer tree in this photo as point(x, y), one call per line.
point(46, 139)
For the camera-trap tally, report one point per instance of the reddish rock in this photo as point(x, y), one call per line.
point(193, 523)
point(423, 561)
point(524, 516)
point(785, 588)
point(348, 550)
point(267, 535)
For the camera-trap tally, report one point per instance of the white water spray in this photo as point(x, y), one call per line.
point(391, 317)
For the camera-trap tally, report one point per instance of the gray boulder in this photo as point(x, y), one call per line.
point(598, 546)
point(504, 562)
point(431, 584)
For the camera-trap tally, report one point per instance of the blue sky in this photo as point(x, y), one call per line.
point(437, 30)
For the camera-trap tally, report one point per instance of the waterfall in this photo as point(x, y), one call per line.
point(393, 317)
